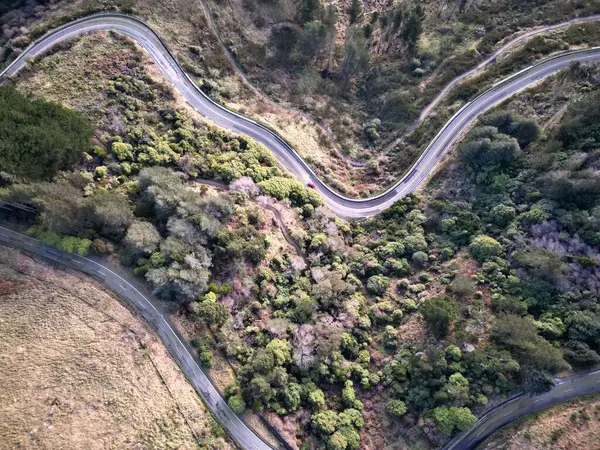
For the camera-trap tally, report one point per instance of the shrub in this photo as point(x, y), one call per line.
point(378, 284)
point(282, 188)
point(485, 247)
point(439, 313)
point(122, 151)
point(396, 407)
point(38, 138)
point(420, 258)
point(237, 404)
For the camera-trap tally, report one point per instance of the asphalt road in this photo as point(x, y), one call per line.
point(492, 58)
point(236, 428)
point(342, 206)
point(522, 405)
point(491, 421)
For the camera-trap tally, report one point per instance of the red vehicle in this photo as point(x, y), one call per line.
point(311, 185)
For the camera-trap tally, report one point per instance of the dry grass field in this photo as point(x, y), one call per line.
point(80, 371)
point(572, 426)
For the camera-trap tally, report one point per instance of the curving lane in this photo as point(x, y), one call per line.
point(348, 208)
point(521, 405)
point(236, 428)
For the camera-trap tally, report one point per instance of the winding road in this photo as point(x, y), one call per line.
point(495, 418)
point(345, 207)
point(341, 205)
point(521, 405)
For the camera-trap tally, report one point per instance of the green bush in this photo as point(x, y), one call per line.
point(378, 284)
point(282, 188)
point(485, 247)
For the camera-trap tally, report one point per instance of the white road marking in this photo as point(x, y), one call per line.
point(538, 400)
point(76, 261)
point(569, 390)
point(102, 274)
point(5, 235)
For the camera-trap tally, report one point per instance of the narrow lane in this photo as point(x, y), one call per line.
point(342, 206)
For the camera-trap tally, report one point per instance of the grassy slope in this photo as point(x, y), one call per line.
point(81, 371)
point(572, 425)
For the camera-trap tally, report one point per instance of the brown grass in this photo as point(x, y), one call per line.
point(79, 370)
point(554, 429)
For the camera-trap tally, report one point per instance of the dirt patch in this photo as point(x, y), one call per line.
point(79, 370)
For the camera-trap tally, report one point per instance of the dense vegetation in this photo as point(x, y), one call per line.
point(403, 326)
point(378, 65)
point(38, 138)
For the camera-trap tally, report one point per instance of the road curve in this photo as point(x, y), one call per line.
point(492, 58)
point(521, 405)
point(345, 207)
point(497, 417)
point(236, 428)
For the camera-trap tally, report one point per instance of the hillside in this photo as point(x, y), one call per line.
point(367, 87)
point(393, 332)
point(79, 370)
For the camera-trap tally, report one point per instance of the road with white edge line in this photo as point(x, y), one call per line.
point(236, 428)
point(343, 206)
point(491, 421)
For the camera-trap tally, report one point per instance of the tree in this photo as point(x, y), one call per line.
point(310, 10)
point(316, 398)
point(412, 26)
point(142, 237)
point(378, 284)
point(542, 263)
point(390, 337)
point(396, 407)
point(420, 258)
point(485, 247)
point(356, 57)
point(325, 422)
point(38, 138)
point(486, 147)
point(210, 310)
point(439, 313)
point(352, 437)
point(520, 336)
point(453, 353)
point(280, 349)
point(502, 214)
point(354, 11)
point(536, 381)
point(348, 394)
point(112, 213)
point(237, 404)
point(581, 355)
point(584, 326)
point(337, 441)
point(451, 419)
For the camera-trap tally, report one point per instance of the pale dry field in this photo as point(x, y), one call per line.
point(81, 371)
point(572, 426)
